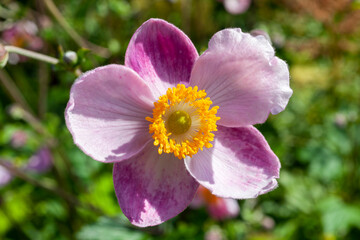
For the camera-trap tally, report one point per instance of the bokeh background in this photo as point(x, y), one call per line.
point(49, 189)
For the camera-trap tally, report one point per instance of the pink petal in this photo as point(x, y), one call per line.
point(237, 6)
point(152, 188)
point(161, 54)
point(224, 208)
point(239, 165)
point(241, 75)
point(106, 113)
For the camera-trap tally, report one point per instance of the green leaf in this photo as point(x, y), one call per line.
point(110, 229)
point(338, 217)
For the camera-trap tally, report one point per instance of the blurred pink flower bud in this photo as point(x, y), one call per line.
point(236, 6)
point(218, 208)
point(214, 233)
point(18, 139)
point(5, 176)
point(268, 223)
point(340, 120)
point(42, 161)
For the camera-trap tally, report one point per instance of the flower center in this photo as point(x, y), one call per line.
point(179, 122)
point(183, 121)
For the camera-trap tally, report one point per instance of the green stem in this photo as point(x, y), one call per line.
point(49, 187)
point(43, 76)
point(13, 90)
point(31, 54)
point(53, 144)
point(101, 51)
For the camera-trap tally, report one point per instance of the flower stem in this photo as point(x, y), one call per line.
point(31, 54)
point(49, 187)
point(13, 90)
point(101, 51)
point(43, 76)
point(52, 143)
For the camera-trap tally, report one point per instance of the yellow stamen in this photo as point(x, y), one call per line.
point(182, 121)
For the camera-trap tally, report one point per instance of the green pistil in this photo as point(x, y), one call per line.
point(179, 122)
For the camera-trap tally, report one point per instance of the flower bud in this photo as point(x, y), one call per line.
point(70, 57)
point(16, 112)
point(41, 161)
point(4, 56)
point(18, 139)
point(340, 120)
point(5, 175)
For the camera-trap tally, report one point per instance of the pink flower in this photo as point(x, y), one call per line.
point(236, 6)
point(218, 208)
point(170, 119)
point(41, 161)
point(23, 35)
point(5, 175)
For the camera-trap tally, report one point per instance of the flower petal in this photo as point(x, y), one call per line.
point(237, 6)
point(152, 188)
point(106, 113)
point(241, 75)
point(239, 165)
point(161, 54)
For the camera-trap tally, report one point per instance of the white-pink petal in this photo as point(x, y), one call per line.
point(152, 188)
point(240, 164)
point(242, 76)
point(106, 113)
point(161, 54)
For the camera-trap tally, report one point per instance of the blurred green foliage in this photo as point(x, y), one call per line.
point(317, 138)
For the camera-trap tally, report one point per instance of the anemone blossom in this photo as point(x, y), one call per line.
point(170, 119)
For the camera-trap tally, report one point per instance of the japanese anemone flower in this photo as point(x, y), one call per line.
point(170, 119)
